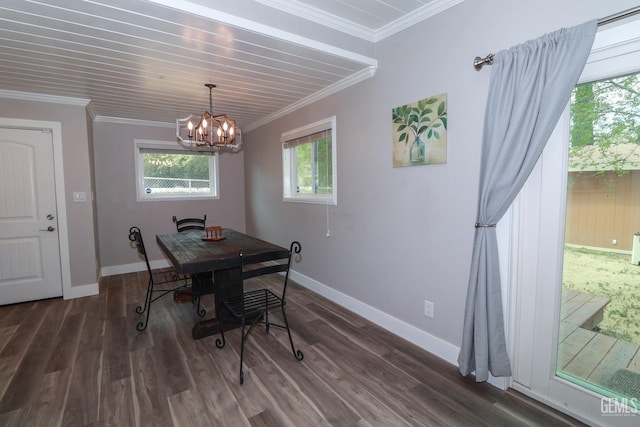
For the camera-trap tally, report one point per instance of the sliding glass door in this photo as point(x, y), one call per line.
point(574, 305)
point(599, 328)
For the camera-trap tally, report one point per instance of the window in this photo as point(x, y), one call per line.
point(165, 171)
point(309, 163)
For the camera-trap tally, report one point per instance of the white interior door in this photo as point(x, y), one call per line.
point(29, 240)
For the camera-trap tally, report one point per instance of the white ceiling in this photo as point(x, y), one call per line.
point(135, 60)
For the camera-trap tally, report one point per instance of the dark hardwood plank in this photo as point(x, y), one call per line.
point(116, 403)
point(115, 357)
point(25, 382)
point(149, 393)
point(23, 335)
point(83, 398)
point(116, 302)
point(12, 418)
point(82, 363)
point(427, 369)
point(297, 410)
point(65, 346)
point(362, 400)
point(215, 392)
point(6, 332)
point(532, 413)
point(12, 315)
point(252, 397)
point(353, 333)
point(48, 405)
point(188, 409)
point(336, 410)
point(263, 419)
point(8, 367)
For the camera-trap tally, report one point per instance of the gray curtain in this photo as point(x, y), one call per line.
point(529, 88)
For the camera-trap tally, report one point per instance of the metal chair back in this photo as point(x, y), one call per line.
point(185, 224)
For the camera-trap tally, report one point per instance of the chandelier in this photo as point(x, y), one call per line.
point(213, 131)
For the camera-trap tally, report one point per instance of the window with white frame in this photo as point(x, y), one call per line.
point(166, 171)
point(309, 163)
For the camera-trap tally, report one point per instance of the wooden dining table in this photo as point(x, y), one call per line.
point(214, 265)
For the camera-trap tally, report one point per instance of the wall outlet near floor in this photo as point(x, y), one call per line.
point(428, 309)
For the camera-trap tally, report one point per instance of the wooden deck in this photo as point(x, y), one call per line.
point(586, 353)
point(580, 310)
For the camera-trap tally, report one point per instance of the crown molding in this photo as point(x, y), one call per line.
point(336, 87)
point(427, 11)
point(321, 17)
point(39, 97)
point(125, 121)
point(313, 14)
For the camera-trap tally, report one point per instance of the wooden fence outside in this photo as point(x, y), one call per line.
point(603, 210)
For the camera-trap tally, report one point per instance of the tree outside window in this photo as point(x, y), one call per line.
point(309, 163)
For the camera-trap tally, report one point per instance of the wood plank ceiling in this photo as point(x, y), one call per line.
point(135, 60)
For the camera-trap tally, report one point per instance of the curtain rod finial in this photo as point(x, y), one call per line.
point(479, 62)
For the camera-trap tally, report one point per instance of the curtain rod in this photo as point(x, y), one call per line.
point(479, 62)
point(618, 16)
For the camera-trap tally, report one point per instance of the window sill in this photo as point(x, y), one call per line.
point(175, 198)
point(330, 200)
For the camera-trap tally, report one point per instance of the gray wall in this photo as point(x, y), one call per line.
point(77, 161)
point(400, 236)
point(118, 209)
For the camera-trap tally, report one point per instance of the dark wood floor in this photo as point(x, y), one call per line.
point(81, 362)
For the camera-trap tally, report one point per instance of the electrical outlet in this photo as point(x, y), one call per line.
point(428, 309)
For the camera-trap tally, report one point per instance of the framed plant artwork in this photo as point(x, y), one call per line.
point(420, 132)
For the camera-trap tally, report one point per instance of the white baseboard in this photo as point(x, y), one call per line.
point(422, 339)
point(132, 268)
point(82, 291)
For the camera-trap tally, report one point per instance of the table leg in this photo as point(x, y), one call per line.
point(201, 284)
point(226, 283)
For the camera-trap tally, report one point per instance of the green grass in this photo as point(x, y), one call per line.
point(611, 275)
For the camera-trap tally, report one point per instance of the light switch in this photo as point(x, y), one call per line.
point(79, 196)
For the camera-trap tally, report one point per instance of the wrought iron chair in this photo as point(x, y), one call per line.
point(253, 306)
point(185, 224)
point(158, 281)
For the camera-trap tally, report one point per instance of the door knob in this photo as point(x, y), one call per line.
point(49, 228)
point(50, 217)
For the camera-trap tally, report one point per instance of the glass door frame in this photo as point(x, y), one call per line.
point(531, 243)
